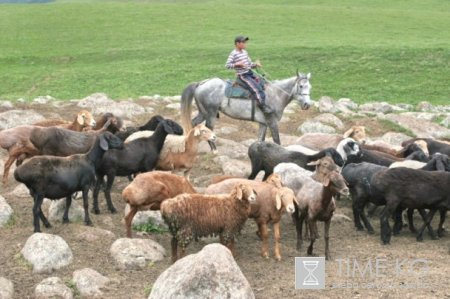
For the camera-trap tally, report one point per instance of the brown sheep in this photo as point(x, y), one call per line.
point(320, 141)
point(192, 216)
point(149, 189)
point(272, 201)
point(83, 119)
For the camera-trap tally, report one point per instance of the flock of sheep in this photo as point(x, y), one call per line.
point(56, 159)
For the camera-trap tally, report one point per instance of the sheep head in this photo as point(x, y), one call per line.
point(244, 192)
point(356, 132)
point(275, 180)
point(285, 197)
point(324, 166)
point(337, 183)
point(204, 133)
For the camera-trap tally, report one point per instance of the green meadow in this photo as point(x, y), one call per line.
point(366, 50)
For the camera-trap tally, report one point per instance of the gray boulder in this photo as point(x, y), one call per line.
point(377, 107)
point(233, 167)
point(394, 138)
point(446, 122)
point(313, 126)
point(330, 119)
point(345, 105)
point(20, 191)
point(5, 211)
point(52, 287)
point(143, 217)
point(43, 100)
point(420, 127)
point(100, 103)
point(326, 104)
point(47, 252)
point(175, 106)
point(6, 105)
point(6, 288)
point(57, 207)
point(210, 273)
point(14, 118)
point(89, 282)
point(231, 149)
point(421, 115)
point(136, 253)
point(425, 106)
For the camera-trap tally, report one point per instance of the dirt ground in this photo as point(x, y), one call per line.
point(268, 278)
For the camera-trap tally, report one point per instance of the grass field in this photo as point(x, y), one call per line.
point(367, 50)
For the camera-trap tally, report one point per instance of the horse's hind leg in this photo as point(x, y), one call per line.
point(210, 122)
point(262, 132)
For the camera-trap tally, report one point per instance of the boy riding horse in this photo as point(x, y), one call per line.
point(242, 64)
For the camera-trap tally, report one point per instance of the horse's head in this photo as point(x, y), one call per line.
point(303, 90)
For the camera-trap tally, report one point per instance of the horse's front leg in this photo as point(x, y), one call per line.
point(273, 125)
point(262, 132)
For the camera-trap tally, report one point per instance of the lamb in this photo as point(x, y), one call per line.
point(320, 141)
point(58, 177)
point(192, 216)
point(140, 155)
point(148, 190)
point(265, 156)
point(315, 200)
point(179, 152)
point(423, 190)
point(149, 126)
point(272, 201)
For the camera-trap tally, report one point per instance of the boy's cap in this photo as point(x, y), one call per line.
point(241, 38)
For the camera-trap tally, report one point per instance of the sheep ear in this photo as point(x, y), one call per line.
point(196, 132)
point(317, 162)
point(103, 143)
point(80, 119)
point(348, 133)
point(239, 192)
point(278, 201)
point(308, 76)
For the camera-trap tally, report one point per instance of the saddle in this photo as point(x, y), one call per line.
point(237, 89)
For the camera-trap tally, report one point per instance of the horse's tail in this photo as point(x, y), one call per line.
point(186, 106)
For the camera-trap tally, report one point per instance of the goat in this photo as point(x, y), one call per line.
point(58, 177)
point(265, 156)
point(315, 200)
point(140, 155)
point(272, 200)
point(320, 141)
point(148, 190)
point(191, 216)
point(411, 188)
point(149, 126)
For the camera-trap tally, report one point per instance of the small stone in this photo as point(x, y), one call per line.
point(446, 122)
point(425, 106)
point(57, 207)
point(136, 253)
point(6, 288)
point(52, 287)
point(92, 234)
point(89, 282)
point(5, 211)
point(340, 218)
point(330, 119)
point(312, 126)
point(176, 106)
point(43, 99)
point(143, 217)
point(6, 105)
point(377, 107)
point(233, 167)
point(394, 138)
point(13, 118)
point(326, 104)
point(20, 191)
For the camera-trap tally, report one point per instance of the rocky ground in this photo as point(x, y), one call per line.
point(74, 261)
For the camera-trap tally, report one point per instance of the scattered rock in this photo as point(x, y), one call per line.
point(176, 106)
point(136, 253)
point(143, 217)
point(420, 127)
point(6, 288)
point(313, 126)
point(5, 211)
point(227, 130)
point(47, 252)
point(446, 122)
point(92, 234)
point(99, 103)
point(421, 115)
point(43, 99)
point(6, 105)
point(52, 287)
point(326, 104)
point(330, 119)
point(211, 273)
point(340, 218)
point(405, 106)
point(20, 191)
point(345, 105)
point(231, 149)
point(377, 107)
point(425, 106)
point(14, 118)
point(89, 282)
point(233, 167)
point(57, 207)
point(394, 138)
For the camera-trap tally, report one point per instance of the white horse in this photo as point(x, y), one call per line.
point(210, 98)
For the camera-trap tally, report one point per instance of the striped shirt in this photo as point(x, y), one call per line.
point(237, 56)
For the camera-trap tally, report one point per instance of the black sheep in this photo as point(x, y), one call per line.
point(149, 126)
point(58, 177)
point(140, 155)
point(265, 156)
point(434, 146)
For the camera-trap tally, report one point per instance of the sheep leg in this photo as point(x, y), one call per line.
point(385, 229)
point(7, 167)
point(209, 123)
point(398, 221)
point(44, 220)
point(256, 168)
point(371, 210)
point(265, 240)
point(312, 227)
point(187, 173)
point(443, 214)
point(298, 222)
point(109, 183)
point(38, 199)
point(174, 245)
point(427, 219)
point(231, 246)
point(276, 234)
point(327, 238)
point(412, 228)
point(358, 210)
point(87, 220)
point(129, 219)
point(262, 132)
point(98, 183)
point(66, 210)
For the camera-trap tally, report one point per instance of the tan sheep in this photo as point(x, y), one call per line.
point(272, 201)
point(320, 141)
point(148, 190)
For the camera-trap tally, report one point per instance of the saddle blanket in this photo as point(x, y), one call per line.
point(235, 89)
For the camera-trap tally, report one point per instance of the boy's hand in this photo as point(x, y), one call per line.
point(258, 63)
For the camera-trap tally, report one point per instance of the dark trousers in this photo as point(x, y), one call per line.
point(257, 92)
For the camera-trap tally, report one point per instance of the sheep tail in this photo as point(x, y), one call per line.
point(186, 106)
